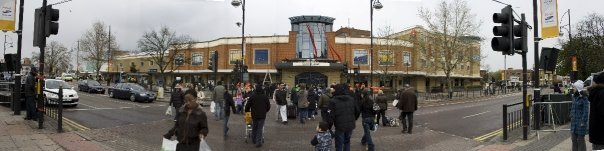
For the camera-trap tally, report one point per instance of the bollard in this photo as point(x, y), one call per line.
point(505, 122)
point(17, 95)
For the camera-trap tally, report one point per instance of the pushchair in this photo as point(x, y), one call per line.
point(248, 127)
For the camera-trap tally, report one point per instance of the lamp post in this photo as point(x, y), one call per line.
point(236, 3)
point(373, 4)
point(570, 40)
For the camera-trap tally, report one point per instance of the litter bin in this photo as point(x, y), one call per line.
point(560, 111)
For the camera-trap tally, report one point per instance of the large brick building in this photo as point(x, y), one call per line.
point(313, 53)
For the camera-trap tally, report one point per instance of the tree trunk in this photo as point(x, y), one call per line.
point(449, 87)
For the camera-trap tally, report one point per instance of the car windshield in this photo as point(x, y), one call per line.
point(136, 87)
point(93, 83)
point(54, 84)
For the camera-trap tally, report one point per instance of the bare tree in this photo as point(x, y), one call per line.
point(94, 45)
point(387, 47)
point(448, 43)
point(164, 46)
point(56, 58)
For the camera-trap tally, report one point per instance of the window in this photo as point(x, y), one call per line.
point(196, 59)
point(360, 56)
point(386, 57)
point(142, 63)
point(311, 41)
point(234, 56)
point(179, 59)
point(150, 63)
point(261, 56)
point(407, 59)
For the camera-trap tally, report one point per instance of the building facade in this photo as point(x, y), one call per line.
point(313, 53)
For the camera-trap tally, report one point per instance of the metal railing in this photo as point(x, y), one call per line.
point(512, 118)
point(465, 94)
point(53, 109)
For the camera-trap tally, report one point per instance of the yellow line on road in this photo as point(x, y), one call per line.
point(495, 133)
point(73, 124)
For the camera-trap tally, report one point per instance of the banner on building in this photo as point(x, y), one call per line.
point(549, 19)
point(7, 16)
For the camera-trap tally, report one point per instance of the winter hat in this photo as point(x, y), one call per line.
point(578, 85)
point(341, 89)
point(599, 78)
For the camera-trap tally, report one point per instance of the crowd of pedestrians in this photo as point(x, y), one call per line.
point(338, 105)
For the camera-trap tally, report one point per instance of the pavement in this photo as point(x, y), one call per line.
point(17, 134)
point(547, 141)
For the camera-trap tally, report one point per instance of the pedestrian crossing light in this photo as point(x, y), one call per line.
point(504, 34)
point(51, 19)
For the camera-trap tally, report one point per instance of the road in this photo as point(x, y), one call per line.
point(126, 125)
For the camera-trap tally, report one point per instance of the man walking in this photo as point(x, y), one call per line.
point(219, 101)
point(30, 95)
point(407, 104)
point(280, 97)
point(343, 113)
point(596, 112)
point(177, 99)
point(259, 106)
point(302, 103)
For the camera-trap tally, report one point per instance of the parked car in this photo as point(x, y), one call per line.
point(70, 96)
point(131, 91)
point(91, 86)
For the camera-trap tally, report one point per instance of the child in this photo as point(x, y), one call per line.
point(322, 141)
point(239, 103)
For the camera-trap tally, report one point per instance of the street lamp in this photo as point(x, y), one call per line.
point(570, 40)
point(236, 3)
point(373, 4)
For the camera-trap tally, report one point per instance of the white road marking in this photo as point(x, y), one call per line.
point(475, 114)
point(88, 105)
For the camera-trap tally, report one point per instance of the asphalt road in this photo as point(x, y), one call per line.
point(125, 125)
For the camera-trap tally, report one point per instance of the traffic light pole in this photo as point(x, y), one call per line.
point(17, 100)
point(527, 103)
point(536, 87)
point(40, 102)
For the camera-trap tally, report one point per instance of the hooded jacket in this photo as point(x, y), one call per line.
point(258, 104)
point(344, 111)
point(596, 114)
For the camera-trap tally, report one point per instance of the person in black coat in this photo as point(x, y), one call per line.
point(596, 112)
point(368, 114)
point(30, 95)
point(259, 106)
point(343, 113)
point(177, 100)
point(229, 106)
point(313, 98)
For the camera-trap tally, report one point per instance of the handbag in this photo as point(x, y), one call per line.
point(168, 145)
point(169, 111)
point(395, 102)
point(203, 145)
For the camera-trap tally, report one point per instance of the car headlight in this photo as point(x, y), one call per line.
point(52, 95)
point(75, 95)
point(142, 94)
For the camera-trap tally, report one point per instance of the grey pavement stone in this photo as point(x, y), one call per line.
point(5, 139)
point(7, 145)
point(546, 142)
point(38, 137)
point(45, 142)
point(52, 148)
point(30, 148)
point(20, 138)
point(25, 143)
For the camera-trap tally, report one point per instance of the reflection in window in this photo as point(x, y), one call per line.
point(261, 56)
point(307, 33)
point(234, 56)
point(386, 57)
point(196, 59)
point(360, 56)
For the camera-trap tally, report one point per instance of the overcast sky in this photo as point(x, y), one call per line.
point(210, 19)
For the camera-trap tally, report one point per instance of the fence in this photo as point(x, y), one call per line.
point(512, 118)
point(555, 113)
point(53, 109)
point(465, 94)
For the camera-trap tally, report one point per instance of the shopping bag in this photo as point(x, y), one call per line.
point(212, 106)
point(168, 145)
point(203, 145)
point(169, 111)
point(395, 102)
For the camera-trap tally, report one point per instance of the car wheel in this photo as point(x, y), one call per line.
point(132, 98)
point(74, 105)
point(111, 94)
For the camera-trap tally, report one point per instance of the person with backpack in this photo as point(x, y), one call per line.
point(322, 140)
point(324, 103)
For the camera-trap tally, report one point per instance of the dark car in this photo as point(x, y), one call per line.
point(91, 86)
point(131, 91)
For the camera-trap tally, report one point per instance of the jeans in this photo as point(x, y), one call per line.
point(226, 127)
point(343, 140)
point(282, 112)
point(382, 114)
point(239, 108)
point(367, 123)
point(310, 112)
point(404, 117)
point(219, 110)
point(30, 107)
point(578, 142)
point(302, 114)
point(257, 127)
point(176, 113)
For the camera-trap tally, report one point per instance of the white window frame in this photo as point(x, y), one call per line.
point(193, 57)
point(379, 57)
point(230, 56)
point(407, 59)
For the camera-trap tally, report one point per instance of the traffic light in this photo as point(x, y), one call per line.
point(345, 69)
point(38, 19)
point(505, 42)
point(520, 31)
point(51, 19)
